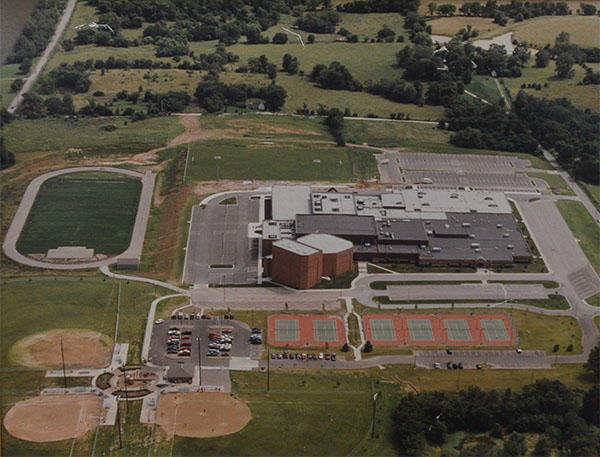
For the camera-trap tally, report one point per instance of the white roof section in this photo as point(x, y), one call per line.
point(295, 247)
point(287, 201)
point(329, 244)
point(333, 203)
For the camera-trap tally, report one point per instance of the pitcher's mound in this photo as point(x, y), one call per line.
point(83, 349)
point(53, 417)
point(201, 414)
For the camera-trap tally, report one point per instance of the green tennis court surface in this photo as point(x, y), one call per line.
point(420, 329)
point(494, 330)
point(458, 330)
point(383, 330)
point(325, 330)
point(287, 330)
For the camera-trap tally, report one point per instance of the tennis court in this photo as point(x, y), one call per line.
point(325, 330)
point(420, 329)
point(494, 330)
point(287, 330)
point(457, 330)
point(383, 330)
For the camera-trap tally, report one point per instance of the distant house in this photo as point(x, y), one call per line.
point(256, 104)
point(178, 374)
point(341, 39)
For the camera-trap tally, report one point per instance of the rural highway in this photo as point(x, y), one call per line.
point(137, 237)
point(31, 79)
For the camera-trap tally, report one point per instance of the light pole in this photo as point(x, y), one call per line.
point(217, 158)
point(374, 410)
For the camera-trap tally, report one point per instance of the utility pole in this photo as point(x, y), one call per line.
point(126, 391)
point(268, 369)
point(119, 424)
point(199, 363)
point(62, 352)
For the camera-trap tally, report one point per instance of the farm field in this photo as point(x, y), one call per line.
point(289, 161)
point(581, 96)
point(584, 229)
point(24, 137)
point(80, 209)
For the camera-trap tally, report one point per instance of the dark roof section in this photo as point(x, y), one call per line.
point(335, 224)
point(402, 230)
point(178, 372)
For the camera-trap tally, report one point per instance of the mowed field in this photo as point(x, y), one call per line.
point(584, 229)
point(26, 138)
point(82, 209)
point(269, 160)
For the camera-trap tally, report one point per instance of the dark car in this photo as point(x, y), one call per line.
point(449, 351)
point(256, 330)
point(455, 366)
point(479, 366)
point(460, 366)
point(449, 365)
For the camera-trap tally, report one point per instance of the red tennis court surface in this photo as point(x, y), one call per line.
point(439, 330)
point(296, 330)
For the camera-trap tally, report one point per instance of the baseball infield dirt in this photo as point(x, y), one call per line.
point(201, 414)
point(83, 349)
point(53, 417)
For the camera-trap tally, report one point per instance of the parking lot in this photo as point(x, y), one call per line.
point(303, 359)
point(460, 162)
point(508, 359)
point(219, 249)
point(199, 342)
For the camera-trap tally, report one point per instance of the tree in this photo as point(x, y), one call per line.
point(543, 447)
point(290, 64)
point(590, 405)
point(274, 96)
point(17, 85)
point(280, 38)
point(593, 363)
point(514, 446)
point(437, 433)
point(432, 7)
point(345, 347)
point(556, 348)
point(564, 66)
point(335, 122)
point(7, 158)
point(368, 347)
point(588, 9)
point(310, 39)
point(25, 66)
point(542, 59)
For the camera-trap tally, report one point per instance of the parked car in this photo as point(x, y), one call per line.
point(273, 355)
point(333, 357)
point(449, 351)
point(449, 365)
point(479, 366)
point(460, 366)
point(519, 351)
point(212, 353)
point(437, 366)
point(321, 356)
point(159, 321)
point(256, 330)
point(279, 356)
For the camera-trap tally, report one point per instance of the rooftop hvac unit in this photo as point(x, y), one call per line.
point(478, 250)
point(506, 235)
point(510, 246)
point(475, 245)
point(466, 224)
point(430, 232)
point(498, 225)
point(436, 249)
point(471, 235)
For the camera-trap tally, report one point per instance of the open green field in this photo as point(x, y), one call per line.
point(555, 182)
point(584, 229)
point(80, 209)
point(25, 137)
point(594, 300)
point(485, 87)
point(287, 161)
point(449, 26)
point(581, 96)
point(597, 322)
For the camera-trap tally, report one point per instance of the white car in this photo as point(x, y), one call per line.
point(159, 321)
point(321, 356)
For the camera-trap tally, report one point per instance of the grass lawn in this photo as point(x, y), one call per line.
point(304, 414)
point(421, 138)
point(581, 96)
point(449, 26)
point(485, 87)
point(543, 30)
point(597, 322)
point(93, 210)
point(383, 285)
point(593, 192)
point(553, 301)
point(584, 229)
point(546, 284)
point(247, 159)
point(594, 300)
point(555, 182)
point(25, 137)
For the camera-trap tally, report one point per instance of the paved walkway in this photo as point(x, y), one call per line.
point(31, 79)
point(137, 238)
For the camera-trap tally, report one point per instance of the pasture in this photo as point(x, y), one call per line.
point(81, 209)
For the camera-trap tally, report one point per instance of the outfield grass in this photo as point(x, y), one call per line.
point(24, 137)
point(93, 210)
point(287, 161)
point(581, 96)
point(485, 87)
point(555, 182)
point(421, 138)
point(37, 304)
point(304, 414)
point(584, 229)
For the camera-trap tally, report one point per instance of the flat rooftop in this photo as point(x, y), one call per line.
point(329, 244)
point(295, 247)
point(287, 201)
point(335, 225)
